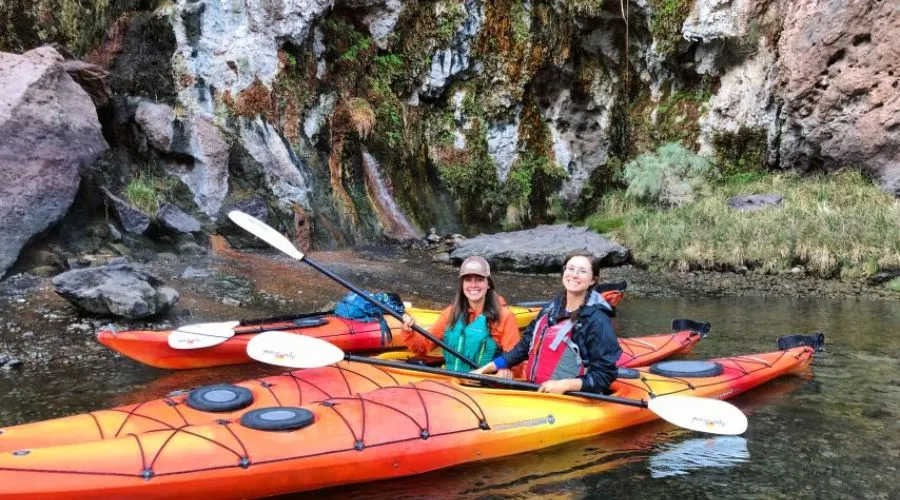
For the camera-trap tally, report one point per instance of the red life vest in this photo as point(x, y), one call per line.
point(553, 355)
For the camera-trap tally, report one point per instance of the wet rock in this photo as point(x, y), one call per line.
point(7, 362)
point(119, 290)
point(883, 277)
point(173, 218)
point(541, 249)
point(442, 257)
point(193, 272)
point(50, 134)
point(754, 202)
point(237, 237)
point(432, 236)
point(133, 220)
point(228, 301)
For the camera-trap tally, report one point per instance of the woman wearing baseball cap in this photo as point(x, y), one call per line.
point(477, 323)
point(571, 345)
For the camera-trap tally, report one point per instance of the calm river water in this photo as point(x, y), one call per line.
point(832, 433)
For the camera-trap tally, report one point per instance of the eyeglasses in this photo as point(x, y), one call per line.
point(580, 271)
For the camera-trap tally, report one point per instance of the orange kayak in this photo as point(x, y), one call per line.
point(151, 347)
point(403, 428)
point(295, 388)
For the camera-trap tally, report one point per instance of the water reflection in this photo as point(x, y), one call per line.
point(682, 458)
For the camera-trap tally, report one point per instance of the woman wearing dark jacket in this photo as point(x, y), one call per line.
point(571, 345)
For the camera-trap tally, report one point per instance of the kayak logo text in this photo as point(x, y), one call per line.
point(525, 423)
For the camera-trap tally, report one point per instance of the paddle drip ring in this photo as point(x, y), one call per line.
point(220, 398)
point(623, 372)
point(278, 418)
point(687, 369)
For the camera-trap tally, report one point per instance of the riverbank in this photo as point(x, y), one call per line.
point(837, 226)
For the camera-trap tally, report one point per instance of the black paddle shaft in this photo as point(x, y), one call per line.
point(507, 383)
point(388, 310)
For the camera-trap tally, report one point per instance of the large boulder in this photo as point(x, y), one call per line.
point(541, 249)
point(49, 132)
point(839, 84)
point(115, 290)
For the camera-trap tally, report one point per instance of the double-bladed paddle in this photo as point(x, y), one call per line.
point(299, 351)
point(266, 233)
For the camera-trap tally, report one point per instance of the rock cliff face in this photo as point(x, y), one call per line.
point(50, 133)
point(839, 80)
point(371, 118)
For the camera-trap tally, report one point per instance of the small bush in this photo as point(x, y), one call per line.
point(361, 115)
point(670, 175)
point(142, 194)
point(894, 285)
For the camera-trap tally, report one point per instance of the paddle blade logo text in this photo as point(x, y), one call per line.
point(279, 355)
point(710, 423)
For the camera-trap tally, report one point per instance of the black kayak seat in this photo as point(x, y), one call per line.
point(309, 322)
point(219, 398)
point(277, 418)
point(686, 368)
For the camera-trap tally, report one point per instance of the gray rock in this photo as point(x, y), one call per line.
point(206, 175)
point(173, 218)
point(754, 202)
point(49, 133)
point(114, 234)
point(190, 248)
point(193, 272)
point(158, 123)
point(118, 290)
point(237, 237)
point(541, 249)
point(132, 220)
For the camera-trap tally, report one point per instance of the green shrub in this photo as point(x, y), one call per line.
point(142, 194)
point(894, 285)
point(669, 176)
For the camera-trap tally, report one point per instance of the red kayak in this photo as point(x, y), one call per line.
point(152, 347)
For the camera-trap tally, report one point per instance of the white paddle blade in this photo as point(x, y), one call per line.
point(201, 335)
point(292, 350)
point(700, 414)
point(265, 232)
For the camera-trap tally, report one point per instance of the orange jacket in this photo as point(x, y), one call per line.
point(504, 331)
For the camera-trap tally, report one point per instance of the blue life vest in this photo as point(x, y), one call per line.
point(472, 341)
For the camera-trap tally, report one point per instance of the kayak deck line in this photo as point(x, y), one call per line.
point(297, 387)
